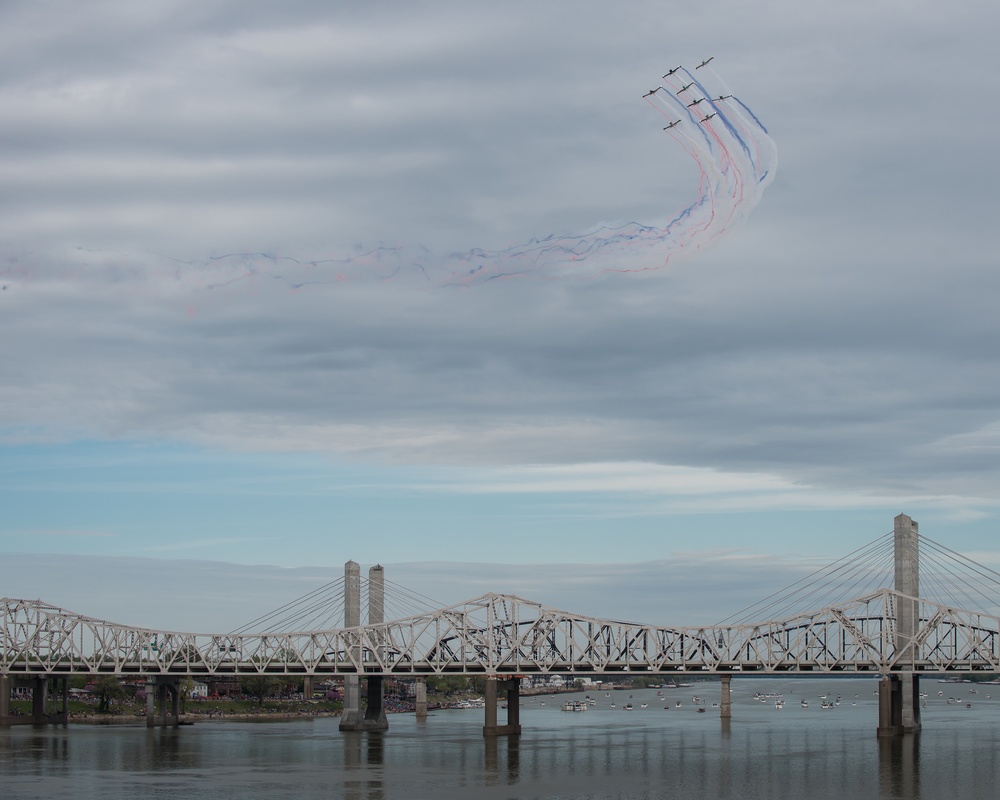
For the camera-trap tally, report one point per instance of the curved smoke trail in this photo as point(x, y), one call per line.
point(734, 153)
point(737, 161)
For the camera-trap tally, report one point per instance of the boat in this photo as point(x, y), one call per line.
point(628, 706)
point(701, 709)
point(643, 705)
point(779, 704)
point(805, 704)
point(574, 705)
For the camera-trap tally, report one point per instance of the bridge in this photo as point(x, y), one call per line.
point(892, 632)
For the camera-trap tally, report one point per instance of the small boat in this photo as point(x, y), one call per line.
point(701, 709)
point(643, 705)
point(628, 706)
point(805, 704)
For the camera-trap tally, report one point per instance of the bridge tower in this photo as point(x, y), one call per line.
point(372, 717)
point(899, 694)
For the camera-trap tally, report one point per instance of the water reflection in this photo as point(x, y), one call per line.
point(507, 770)
point(364, 754)
point(643, 754)
point(899, 766)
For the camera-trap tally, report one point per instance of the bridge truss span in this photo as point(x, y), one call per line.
point(499, 634)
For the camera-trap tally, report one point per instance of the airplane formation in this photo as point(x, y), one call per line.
point(692, 104)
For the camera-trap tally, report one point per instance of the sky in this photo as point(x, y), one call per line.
point(429, 285)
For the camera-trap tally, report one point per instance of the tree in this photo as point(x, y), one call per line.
point(259, 686)
point(107, 688)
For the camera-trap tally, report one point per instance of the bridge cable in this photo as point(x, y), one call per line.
point(809, 585)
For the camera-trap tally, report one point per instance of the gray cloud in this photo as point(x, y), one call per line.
point(844, 337)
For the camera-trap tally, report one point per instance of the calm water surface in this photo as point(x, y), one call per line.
point(603, 753)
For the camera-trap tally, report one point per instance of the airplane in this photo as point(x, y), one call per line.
point(672, 125)
point(671, 72)
point(706, 119)
point(722, 97)
point(685, 88)
point(652, 91)
point(695, 102)
point(705, 62)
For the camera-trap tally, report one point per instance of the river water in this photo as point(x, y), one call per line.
point(676, 753)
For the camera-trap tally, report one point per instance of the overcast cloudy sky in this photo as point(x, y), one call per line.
point(200, 363)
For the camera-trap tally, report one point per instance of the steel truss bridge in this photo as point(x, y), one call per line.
point(499, 634)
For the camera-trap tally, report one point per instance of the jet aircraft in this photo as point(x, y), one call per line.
point(705, 62)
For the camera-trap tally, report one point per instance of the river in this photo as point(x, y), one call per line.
point(677, 753)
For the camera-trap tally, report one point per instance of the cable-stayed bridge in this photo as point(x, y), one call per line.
point(885, 630)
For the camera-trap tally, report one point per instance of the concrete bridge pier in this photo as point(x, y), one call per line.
point(421, 698)
point(898, 704)
point(513, 688)
point(47, 707)
point(4, 700)
point(890, 706)
point(162, 690)
point(725, 701)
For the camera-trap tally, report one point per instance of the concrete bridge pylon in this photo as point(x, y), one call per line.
point(372, 716)
point(899, 693)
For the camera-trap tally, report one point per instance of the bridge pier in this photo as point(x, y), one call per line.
point(725, 702)
point(46, 707)
point(4, 700)
point(513, 687)
point(421, 698)
point(890, 706)
point(160, 690)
